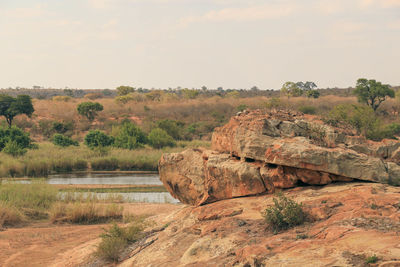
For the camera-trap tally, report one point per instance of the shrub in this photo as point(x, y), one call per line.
point(116, 239)
point(273, 103)
point(242, 107)
point(158, 138)
point(361, 118)
point(89, 109)
point(62, 127)
point(12, 148)
point(308, 109)
point(172, 127)
point(285, 214)
point(124, 90)
point(9, 216)
point(93, 96)
point(371, 259)
point(129, 136)
point(64, 141)
point(312, 93)
point(62, 98)
point(15, 139)
point(97, 138)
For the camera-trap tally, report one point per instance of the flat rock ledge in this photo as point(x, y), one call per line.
point(257, 152)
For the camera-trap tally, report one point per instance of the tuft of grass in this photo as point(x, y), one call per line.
point(115, 239)
point(371, 259)
point(284, 214)
point(10, 216)
point(302, 236)
point(85, 213)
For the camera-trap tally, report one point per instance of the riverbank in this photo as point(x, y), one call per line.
point(50, 159)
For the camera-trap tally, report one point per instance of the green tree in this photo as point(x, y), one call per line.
point(312, 94)
point(306, 85)
point(96, 138)
point(14, 141)
point(174, 128)
point(89, 109)
point(64, 141)
point(291, 89)
point(372, 93)
point(130, 136)
point(11, 107)
point(158, 138)
point(124, 90)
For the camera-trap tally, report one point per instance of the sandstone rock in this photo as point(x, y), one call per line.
point(233, 232)
point(255, 153)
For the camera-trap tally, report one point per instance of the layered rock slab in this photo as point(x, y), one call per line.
point(255, 153)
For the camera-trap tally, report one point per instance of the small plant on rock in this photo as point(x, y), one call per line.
point(371, 259)
point(284, 214)
point(115, 239)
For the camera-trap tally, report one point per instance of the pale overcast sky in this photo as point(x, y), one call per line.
point(190, 43)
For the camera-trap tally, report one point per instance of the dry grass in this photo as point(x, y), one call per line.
point(85, 213)
point(10, 216)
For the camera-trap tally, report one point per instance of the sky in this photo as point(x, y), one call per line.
point(191, 43)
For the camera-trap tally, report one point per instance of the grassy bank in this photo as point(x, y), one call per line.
point(50, 159)
point(23, 203)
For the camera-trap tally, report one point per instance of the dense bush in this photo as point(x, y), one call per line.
point(158, 138)
point(48, 128)
point(364, 120)
point(64, 141)
point(174, 128)
point(284, 214)
point(129, 136)
point(242, 107)
point(308, 109)
point(96, 138)
point(14, 141)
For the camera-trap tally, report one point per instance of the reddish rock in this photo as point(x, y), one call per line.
point(255, 153)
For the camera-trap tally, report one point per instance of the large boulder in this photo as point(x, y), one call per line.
point(256, 152)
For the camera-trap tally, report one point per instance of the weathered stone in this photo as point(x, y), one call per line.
point(255, 153)
point(183, 175)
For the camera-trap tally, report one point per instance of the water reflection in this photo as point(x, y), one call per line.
point(105, 178)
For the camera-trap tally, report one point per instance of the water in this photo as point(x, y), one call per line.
point(112, 179)
point(148, 197)
point(105, 178)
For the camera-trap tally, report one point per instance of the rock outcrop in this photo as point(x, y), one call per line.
point(256, 152)
point(349, 222)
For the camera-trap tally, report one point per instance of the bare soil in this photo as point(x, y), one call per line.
point(46, 244)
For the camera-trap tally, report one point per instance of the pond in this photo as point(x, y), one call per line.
point(105, 178)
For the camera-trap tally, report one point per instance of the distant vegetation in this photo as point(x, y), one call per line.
point(141, 122)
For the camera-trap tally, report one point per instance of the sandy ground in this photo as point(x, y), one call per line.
point(46, 244)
